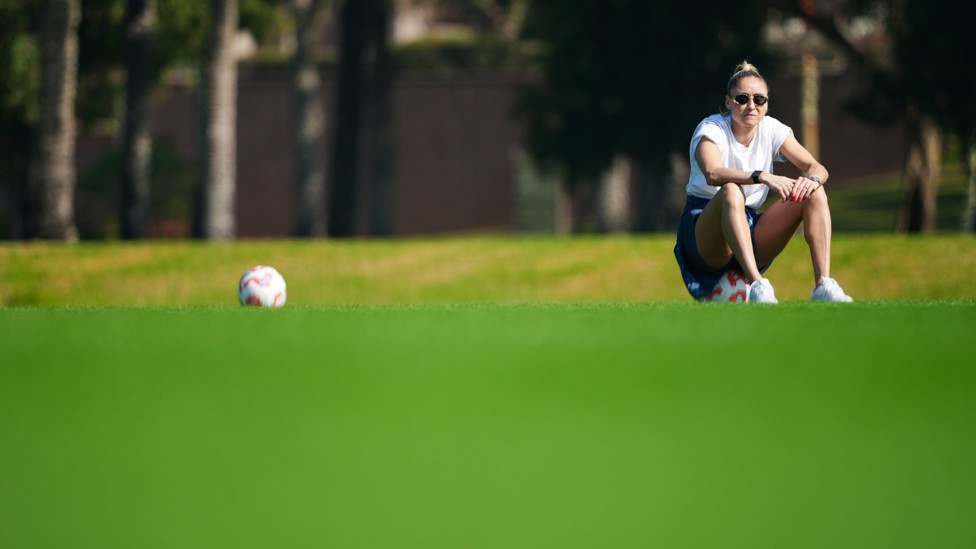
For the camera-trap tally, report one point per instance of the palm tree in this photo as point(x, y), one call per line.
point(52, 174)
point(362, 118)
point(140, 26)
point(309, 121)
point(353, 21)
point(380, 122)
point(215, 215)
point(969, 213)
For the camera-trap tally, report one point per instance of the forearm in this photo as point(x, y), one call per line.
point(817, 170)
point(719, 176)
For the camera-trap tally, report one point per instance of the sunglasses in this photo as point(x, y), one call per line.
point(743, 99)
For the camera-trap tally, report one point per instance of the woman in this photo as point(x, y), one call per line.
point(732, 158)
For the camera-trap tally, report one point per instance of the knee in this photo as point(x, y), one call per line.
point(731, 195)
point(818, 200)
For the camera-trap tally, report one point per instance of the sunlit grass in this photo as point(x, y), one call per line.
point(459, 269)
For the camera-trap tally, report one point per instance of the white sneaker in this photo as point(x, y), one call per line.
point(761, 291)
point(829, 290)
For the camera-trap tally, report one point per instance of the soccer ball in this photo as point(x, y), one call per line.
point(731, 288)
point(262, 286)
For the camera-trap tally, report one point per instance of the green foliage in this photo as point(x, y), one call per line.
point(19, 86)
point(101, 53)
point(629, 77)
point(172, 178)
point(918, 59)
point(181, 32)
point(21, 80)
point(183, 25)
point(463, 51)
point(486, 39)
point(934, 47)
point(265, 19)
point(179, 39)
point(483, 15)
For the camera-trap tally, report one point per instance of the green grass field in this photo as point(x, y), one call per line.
point(673, 425)
point(483, 392)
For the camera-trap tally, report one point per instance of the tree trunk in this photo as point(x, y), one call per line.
point(52, 174)
point(969, 215)
point(215, 216)
point(140, 25)
point(584, 214)
point(354, 32)
point(614, 198)
point(810, 104)
point(562, 206)
point(19, 145)
point(917, 211)
point(380, 123)
point(309, 122)
point(653, 189)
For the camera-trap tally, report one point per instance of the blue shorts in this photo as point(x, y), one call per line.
point(697, 275)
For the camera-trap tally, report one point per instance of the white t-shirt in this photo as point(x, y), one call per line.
point(759, 155)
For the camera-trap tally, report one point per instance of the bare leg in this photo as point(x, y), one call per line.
point(817, 229)
point(780, 221)
point(722, 232)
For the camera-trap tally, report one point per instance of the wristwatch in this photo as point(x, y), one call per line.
point(755, 176)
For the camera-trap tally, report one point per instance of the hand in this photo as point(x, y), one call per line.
point(782, 186)
point(803, 188)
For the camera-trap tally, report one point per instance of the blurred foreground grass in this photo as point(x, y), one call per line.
point(488, 426)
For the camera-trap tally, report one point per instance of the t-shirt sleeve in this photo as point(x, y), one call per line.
point(780, 132)
point(713, 132)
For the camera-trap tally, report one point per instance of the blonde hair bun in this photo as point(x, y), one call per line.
point(746, 66)
point(742, 70)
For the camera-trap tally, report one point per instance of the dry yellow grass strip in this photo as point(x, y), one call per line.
point(457, 270)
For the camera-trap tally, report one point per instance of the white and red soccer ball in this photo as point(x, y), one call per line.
point(262, 286)
point(731, 288)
